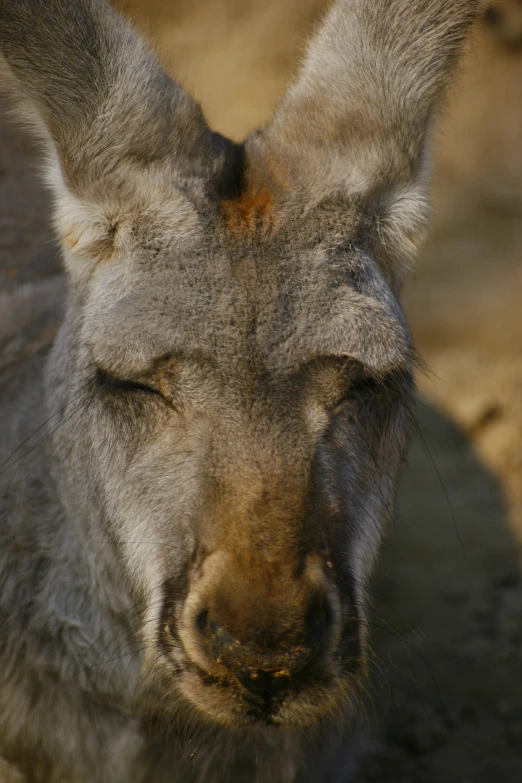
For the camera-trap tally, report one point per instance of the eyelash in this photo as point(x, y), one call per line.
point(110, 382)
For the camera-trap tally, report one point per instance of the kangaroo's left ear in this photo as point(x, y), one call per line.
point(120, 134)
point(355, 124)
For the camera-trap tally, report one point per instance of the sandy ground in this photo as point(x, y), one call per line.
point(447, 624)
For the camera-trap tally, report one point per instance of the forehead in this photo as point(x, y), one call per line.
point(272, 304)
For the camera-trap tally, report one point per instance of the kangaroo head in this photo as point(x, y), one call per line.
point(234, 374)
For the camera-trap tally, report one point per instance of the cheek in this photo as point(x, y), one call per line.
point(152, 488)
point(361, 472)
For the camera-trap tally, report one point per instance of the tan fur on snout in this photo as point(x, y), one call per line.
point(260, 600)
point(258, 572)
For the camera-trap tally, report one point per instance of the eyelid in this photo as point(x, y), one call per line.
point(105, 380)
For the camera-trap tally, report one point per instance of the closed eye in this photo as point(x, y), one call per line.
point(112, 383)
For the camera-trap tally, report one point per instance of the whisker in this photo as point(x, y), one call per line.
point(441, 482)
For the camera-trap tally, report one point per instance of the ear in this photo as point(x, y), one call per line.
point(112, 120)
point(355, 124)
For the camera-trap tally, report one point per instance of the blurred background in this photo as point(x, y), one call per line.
point(447, 622)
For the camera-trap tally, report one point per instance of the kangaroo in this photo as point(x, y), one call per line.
point(203, 427)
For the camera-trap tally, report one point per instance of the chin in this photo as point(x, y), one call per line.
point(225, 703)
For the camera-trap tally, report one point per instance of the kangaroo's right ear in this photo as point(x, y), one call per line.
point(105, 107)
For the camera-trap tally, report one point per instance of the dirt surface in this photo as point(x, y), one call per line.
point(447, 625)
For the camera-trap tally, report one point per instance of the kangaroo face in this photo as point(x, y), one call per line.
point(244, 444)
point(233, 376)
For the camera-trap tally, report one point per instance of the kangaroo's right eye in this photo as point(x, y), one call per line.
point(112, 383)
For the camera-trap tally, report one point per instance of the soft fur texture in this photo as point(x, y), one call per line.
point(199, 467)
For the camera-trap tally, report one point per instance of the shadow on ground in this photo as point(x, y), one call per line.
point(447, 624)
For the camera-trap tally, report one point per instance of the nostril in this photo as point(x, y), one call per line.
point(319, 620)
point(328, 611)
point(217, 641)
point(493, 16)
point(202, 622)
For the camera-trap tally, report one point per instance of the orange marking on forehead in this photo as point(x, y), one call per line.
point(253, 209)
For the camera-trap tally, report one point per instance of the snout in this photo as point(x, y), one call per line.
point(259, 637)
point(269, 663)
point(272, 649)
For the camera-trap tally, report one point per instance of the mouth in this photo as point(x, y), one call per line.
point(259, 699)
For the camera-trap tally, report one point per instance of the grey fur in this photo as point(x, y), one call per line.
point(254, 289)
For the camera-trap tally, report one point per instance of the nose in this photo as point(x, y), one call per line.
point(266, 651)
